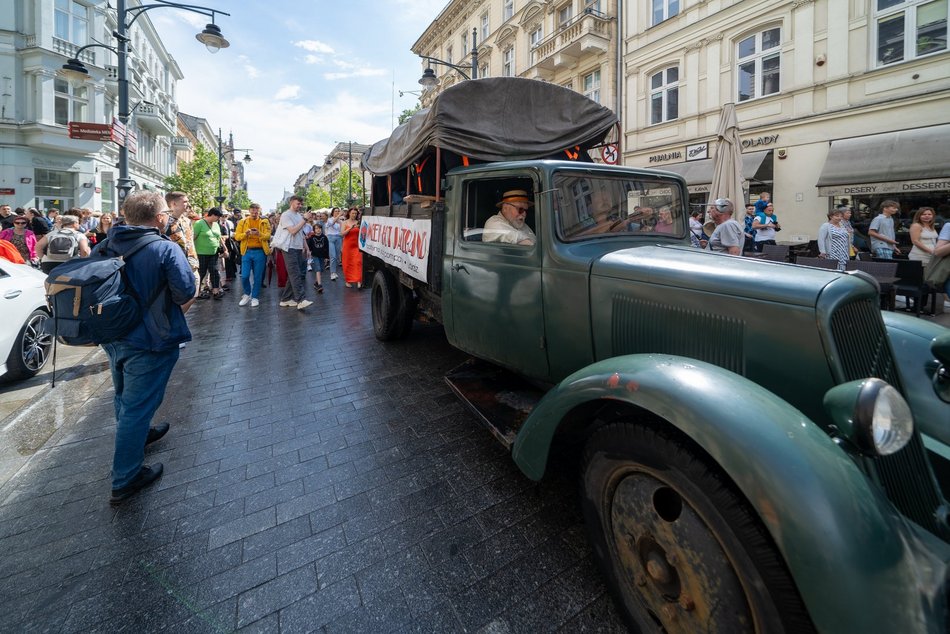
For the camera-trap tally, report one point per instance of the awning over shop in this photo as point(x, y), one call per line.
point(894, 162)
point(698, 174)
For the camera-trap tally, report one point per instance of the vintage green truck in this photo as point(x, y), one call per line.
point(761, 448)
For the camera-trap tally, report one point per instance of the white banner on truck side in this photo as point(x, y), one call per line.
point(401, 242)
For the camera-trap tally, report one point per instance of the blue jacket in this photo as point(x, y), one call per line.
point(160, 263)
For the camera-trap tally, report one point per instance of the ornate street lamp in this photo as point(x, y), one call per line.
point(429, 80)
point(75, 71)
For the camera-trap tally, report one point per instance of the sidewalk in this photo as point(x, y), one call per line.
point(311, 483)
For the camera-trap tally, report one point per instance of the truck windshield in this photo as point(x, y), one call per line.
point(590, 207)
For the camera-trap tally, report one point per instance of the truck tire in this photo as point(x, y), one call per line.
point(387, 298)
point(680, 547)
point(406, 312)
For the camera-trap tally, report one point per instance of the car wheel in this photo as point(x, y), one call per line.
point(32, 347)
point(386, 300)
point(681, 549)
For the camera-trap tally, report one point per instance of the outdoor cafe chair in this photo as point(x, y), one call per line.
point(775, 252)
point(819, 263)
point(886, 275)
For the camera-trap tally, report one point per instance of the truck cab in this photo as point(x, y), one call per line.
point(760, 449)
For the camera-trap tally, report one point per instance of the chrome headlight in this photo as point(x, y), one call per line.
point(872, 415)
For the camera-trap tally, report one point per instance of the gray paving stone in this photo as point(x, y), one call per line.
point(272, 539)
point(316, 610)
point(276, 594)
point(242, 527)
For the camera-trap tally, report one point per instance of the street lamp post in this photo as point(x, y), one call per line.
point(74, 69)
point(429, 80)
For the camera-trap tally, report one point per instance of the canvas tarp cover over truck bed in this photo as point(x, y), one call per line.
point(495, 119)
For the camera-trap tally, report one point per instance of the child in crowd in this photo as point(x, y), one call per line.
point(319, 251)
point(764, 199)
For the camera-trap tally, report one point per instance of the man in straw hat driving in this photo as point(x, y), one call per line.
point(508, 225)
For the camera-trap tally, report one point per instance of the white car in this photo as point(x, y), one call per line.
point(24, 346)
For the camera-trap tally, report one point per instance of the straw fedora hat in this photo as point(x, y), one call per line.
point(515, 196)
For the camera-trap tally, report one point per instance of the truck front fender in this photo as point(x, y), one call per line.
point(843, 541)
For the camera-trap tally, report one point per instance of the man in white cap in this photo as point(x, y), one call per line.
point(728, 236)
point(508, 225)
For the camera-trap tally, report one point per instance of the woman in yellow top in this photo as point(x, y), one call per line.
point(253, 233)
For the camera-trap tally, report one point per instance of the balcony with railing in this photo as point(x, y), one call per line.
point(180, 143)
point(154, 119)
point(586, 34)
point(69, 49)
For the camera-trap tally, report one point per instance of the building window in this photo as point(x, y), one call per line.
point(508, 62)
point(664, 95)
point(759, 61)
point(464, 43)
point(592, 86)
point(483, 71)
point(70, 102)
point(485, 31)
point(534, 38)
point(71, 22)
point(564, 14)
point(507, 10)
point(664, 10)
point(448, 55)
point(592, 6)
point(569, 84)
point(909, 29)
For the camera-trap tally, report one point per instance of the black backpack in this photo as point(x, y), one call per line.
point(92, 300)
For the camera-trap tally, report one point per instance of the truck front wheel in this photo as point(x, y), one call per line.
point(391, 307)
point(681, 549)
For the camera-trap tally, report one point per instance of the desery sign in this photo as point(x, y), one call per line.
point(402, 242)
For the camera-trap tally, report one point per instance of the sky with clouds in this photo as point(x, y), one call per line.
point(299, 76)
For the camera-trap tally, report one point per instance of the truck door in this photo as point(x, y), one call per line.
point(495, 284)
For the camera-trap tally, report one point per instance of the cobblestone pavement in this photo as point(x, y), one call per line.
point(315, 480)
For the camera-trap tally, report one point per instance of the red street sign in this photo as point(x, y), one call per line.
point(7, 191)
point(133, 142)
point(610, 153)
point(90, 131)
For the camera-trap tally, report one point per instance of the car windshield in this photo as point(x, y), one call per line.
point(590, 207)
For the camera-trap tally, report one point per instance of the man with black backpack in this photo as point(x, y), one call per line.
point(62, 244)
point(142, 361)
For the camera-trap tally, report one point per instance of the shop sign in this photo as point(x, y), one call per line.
point(761, 140)
point(895, 187)
point(697, 152)
point(90, 131)
point(7, 191)
point(666, 156)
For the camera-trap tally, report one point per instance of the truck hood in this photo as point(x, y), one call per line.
point(690, 268)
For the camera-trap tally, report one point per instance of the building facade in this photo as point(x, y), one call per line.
point(836, 101)
point(573, 43)
point(39, 164)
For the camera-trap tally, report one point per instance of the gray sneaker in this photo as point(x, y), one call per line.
point(303, 304)
point(289, 303)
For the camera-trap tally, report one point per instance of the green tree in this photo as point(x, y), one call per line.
point(316, 197)
point(340, 188)
point(240, 199)
point(407, 114)
point(198, 178)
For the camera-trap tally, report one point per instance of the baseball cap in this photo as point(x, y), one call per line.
point(724, 205)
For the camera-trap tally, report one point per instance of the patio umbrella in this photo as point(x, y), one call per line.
point(727, 162)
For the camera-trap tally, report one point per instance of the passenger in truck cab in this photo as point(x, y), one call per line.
point(508, 225)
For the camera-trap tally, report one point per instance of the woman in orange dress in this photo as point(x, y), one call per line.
point(352, 258)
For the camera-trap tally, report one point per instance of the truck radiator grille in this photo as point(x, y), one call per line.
point(641, 326)
point(861, 344)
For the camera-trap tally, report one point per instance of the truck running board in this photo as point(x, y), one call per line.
point(500, 399)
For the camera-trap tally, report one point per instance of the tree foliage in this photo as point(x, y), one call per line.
point(407, 113)
point(340, 188)
point(192, 179)
point(316, 197)
point(240, 199)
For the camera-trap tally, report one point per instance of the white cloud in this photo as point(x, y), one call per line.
point(313, 59)
point(250, 69)
point(314, 46)
point(359, 72)
point(289, 91)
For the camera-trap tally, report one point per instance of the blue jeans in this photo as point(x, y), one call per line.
point(139, 377)
point(253, 260)
point(884, 253)
point(336, 251)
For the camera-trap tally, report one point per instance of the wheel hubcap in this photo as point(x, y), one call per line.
point(675, 567)
point(36, 344)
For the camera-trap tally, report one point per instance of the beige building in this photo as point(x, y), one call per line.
point(572, 43)
point(837, 101)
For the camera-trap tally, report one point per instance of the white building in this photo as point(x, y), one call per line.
point(836, 101)
point(39, 164)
